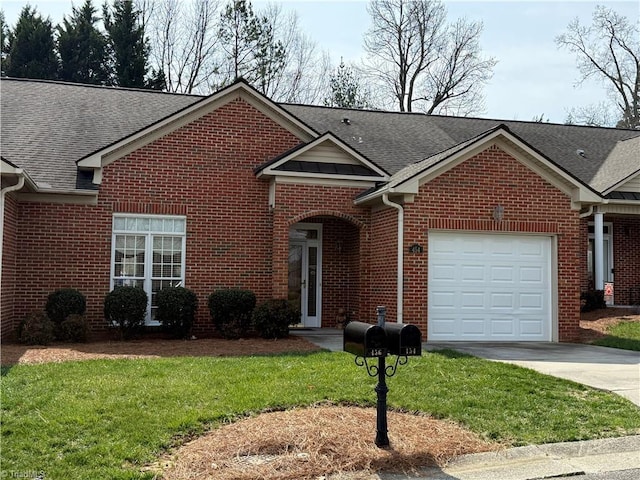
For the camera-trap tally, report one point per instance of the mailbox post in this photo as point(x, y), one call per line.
point(382, 437)
point(377, 341)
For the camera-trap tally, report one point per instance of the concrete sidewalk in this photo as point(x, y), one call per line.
point(538, 461)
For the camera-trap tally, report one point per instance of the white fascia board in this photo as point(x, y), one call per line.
point(625, 207)
point(621, 183)
point(191, 113)
point(334, 181)
point(272, 169)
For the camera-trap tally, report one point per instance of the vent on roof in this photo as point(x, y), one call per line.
point(346, 121)
point(581, 153)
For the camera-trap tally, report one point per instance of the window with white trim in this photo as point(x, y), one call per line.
point(148, 251)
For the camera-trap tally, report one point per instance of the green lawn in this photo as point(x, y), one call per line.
point(104, 419)
point(625, 335)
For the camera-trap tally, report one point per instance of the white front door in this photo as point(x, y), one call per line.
point(305, 272)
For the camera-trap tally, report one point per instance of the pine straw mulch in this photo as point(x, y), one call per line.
point(12, 354)
point(594, 325)
point(322, 442)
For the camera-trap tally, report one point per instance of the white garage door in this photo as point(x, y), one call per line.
point(489, 287)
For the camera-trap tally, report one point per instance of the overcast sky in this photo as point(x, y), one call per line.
point(532, 77)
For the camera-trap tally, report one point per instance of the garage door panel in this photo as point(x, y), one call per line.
point(501, 300)
point(472, 300)
point(489, 287)
point(531, 274)
point(531, 301)
point(473, 327)
point(472, 273)
point(501, 273)
point(444, 273)
point(443, 300)
point(502, 327)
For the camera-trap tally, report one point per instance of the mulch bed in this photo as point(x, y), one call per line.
point(317, 443)
point(155, 348)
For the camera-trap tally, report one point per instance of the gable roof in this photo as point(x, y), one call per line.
point(173, 121)
point(408, 180)
point(396, 140)
point(48, 126)
point(325, 156)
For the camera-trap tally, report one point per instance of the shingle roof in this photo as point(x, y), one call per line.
point(395, 140)
point(47, 126)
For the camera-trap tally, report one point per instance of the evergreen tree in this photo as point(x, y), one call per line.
point(29, 51)
point(346, 91)
point(252, 52)
point(129, 49)
point(4, 44)
point(83, 48)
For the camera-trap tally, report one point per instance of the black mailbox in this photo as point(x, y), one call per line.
point(364, 340)
point(403, 339)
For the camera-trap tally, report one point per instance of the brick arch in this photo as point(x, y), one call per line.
point(331, 213)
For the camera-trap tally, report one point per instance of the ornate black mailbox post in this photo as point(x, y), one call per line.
point(376, 341)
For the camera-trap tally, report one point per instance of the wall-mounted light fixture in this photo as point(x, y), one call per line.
point(498, 213)
point(339, 246)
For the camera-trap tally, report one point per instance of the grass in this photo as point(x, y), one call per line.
point(104, 419)
point(625, 335)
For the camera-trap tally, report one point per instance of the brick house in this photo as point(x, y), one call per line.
point(472, 229)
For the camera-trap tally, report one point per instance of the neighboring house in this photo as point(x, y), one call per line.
point(472, 229)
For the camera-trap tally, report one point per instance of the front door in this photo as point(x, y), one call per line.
point(305, 272)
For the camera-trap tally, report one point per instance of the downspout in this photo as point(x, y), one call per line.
point(3, 193)
point(400, 285)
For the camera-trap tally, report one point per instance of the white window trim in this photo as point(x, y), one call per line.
point(148, 265)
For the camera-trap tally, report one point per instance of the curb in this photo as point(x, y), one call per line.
point(538, 461)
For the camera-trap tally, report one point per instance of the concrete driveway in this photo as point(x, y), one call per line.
point(609, 369)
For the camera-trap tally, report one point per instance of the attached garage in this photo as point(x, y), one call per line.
point(489, 287)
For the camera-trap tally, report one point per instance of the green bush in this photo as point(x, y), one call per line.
point(65, 302)
point(231, 311)
point(36, 329)
point(126, 308)
point(74, 328)
point(176, 310)
point(592, 300)
point(272, 318)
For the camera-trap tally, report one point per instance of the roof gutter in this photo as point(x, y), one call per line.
point(3, 193)
point(400, 279)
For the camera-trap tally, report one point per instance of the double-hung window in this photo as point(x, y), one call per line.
point(148, 251)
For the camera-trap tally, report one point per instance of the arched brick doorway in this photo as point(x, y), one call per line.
point(324, 269)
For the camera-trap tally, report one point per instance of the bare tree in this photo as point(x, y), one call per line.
point(305, 74)
point(423, 62)
point(183, 42)
point(609, 50)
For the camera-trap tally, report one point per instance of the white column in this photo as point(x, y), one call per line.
point(598, 250)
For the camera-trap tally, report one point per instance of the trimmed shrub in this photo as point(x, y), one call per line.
point(65, 302)
point(272, 318)
point(74, 328)
point(592, 300)
point(36, 329)
point(231, 311)
point(126, 308)
point(176, 310)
